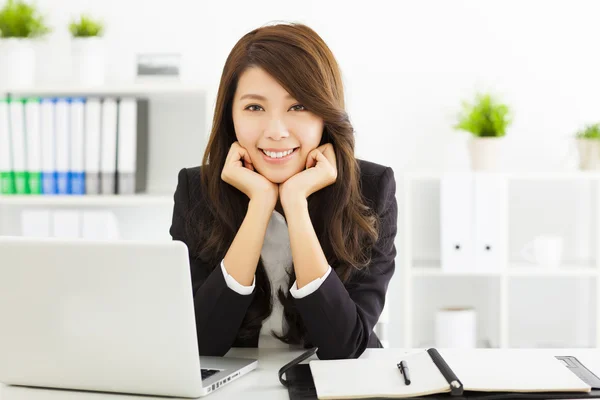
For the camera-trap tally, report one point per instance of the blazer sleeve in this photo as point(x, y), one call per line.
point(219, 310)
point(340, 318)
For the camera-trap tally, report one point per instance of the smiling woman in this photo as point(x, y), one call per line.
point(291, 238)
point(268, 120)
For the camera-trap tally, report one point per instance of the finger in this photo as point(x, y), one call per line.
point(232, 155)
point(245, 157)
point(329, 153)
point(311, 160)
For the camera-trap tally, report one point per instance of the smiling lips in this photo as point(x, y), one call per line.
point(278, 156)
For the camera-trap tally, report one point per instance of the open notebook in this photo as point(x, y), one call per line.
point(432, 372)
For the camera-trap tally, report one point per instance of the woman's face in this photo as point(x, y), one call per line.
point(270, 124)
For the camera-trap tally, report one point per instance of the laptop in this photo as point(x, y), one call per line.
point(108, 316)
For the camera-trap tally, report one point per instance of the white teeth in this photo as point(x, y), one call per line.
point(278, 154)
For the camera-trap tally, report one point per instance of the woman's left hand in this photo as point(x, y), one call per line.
point(320, 172)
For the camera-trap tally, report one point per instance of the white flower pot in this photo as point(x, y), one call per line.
point(88, 61)
point(487, 153)
point(589, 153)
point(17, 65)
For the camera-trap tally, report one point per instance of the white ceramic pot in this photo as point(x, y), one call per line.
point(17, 65)
point(456, 328)
point(487, 153)
point(88, 61)
point(589, 153)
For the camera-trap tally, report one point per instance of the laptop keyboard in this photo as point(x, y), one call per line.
point(207, 373)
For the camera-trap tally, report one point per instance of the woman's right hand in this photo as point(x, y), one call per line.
point(239, 172)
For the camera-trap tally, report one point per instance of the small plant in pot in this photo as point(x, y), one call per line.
point(588, 146)
point(88, 51)
point(486, 119)
point(20, 24)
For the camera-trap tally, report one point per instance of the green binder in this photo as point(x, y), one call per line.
point(33, 155)
point(7, 179)
point(19, 144)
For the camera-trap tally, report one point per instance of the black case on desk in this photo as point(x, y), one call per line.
point(300, 383)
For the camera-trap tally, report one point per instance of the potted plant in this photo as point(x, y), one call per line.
point(20, 25)
point(486, 119)
point(588, 146)
point(88, 53)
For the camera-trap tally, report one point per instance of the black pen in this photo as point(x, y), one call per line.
point(403, 366)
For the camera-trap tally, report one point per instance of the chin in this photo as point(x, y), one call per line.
point(277, 178)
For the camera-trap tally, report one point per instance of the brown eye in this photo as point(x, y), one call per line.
point(299, 105)
point(252, 105)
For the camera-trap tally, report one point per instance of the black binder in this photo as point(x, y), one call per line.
point(299, 382)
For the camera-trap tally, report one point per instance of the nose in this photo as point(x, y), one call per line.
point(276, 129)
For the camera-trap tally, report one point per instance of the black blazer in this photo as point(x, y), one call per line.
point(339, 318)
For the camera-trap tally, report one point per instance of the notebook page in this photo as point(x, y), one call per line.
point(511, 370)
point(365, 378)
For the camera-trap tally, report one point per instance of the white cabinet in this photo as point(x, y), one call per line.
point(520, 305)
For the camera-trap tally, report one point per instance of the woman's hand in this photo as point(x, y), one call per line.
point(320, 172)
point(239, 172)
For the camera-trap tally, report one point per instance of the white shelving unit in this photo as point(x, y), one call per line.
point(88, 200)
point(135, 88)
point(180, 116)
point(576, 282)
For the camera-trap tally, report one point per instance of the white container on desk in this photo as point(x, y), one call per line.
point(456, 328)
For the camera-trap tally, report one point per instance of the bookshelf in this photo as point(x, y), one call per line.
point(180, 116)
point(136, 88)
point(163, 200)
point(507, 312)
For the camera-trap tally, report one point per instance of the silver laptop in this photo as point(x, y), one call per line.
point(103, 316)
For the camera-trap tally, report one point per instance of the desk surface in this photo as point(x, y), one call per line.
point(262, 383)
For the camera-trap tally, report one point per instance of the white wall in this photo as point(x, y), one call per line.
point(406, 65)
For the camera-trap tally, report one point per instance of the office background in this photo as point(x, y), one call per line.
point(407, 65)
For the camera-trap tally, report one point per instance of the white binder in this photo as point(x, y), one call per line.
point(93, 121)
point(63, 140)
point(127, 145)
point(34, 143)
point(108, 163)
point(48, 135)
point(77, 146)
point(6, 181)
point(17, 139)
point(491, 221)
point(456, 221)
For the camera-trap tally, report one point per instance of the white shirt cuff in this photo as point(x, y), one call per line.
point(308, 288)
point(235, 285)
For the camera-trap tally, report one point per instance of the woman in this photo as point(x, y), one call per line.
point(290, 237)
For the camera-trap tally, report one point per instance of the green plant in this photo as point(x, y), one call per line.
point(21, 20)
point(485, 117)
point(590, 131)
point(86, 27)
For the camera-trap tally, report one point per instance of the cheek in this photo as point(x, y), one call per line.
point(246, 133)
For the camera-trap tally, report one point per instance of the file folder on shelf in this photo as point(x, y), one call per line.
point(93, 121)
point(77, 128)
point(48, 137)
point(63, 146)
point(17, 139)
point(108, 158)
point(34, 144)
point(7, 182)
point(457, 222)
point(132, 145)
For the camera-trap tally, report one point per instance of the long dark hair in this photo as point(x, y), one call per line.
point(345, 224)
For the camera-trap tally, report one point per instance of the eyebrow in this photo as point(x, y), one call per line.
point(259, 97)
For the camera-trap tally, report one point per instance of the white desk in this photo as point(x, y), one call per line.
point(262, 383)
